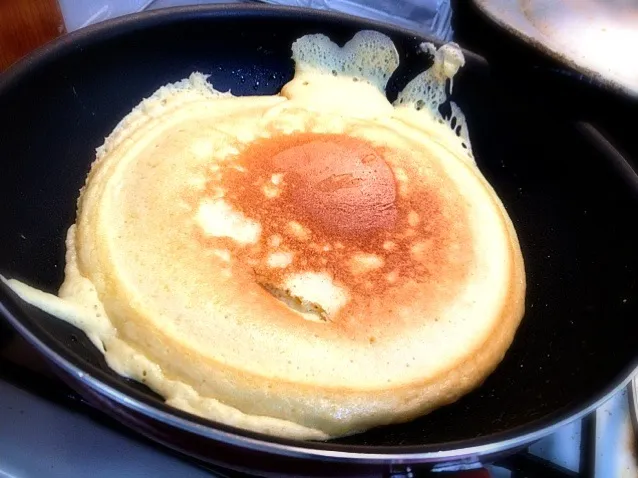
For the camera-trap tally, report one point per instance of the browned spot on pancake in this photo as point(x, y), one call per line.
point(385, 249)
point(339, 183)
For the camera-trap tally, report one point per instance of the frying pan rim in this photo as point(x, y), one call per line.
point(231, 435)
point(238, 437)
point(613, 86)
point(140, 20)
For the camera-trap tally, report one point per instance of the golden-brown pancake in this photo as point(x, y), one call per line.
point(310, 264)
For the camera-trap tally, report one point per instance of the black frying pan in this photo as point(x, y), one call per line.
point(571, 196)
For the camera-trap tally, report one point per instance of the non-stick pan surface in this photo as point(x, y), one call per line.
point(571, 198)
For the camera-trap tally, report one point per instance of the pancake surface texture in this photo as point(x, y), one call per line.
point(307, 265)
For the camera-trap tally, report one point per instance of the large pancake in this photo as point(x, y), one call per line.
point(310, 264)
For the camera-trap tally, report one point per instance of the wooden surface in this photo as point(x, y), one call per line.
point(25, 25)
